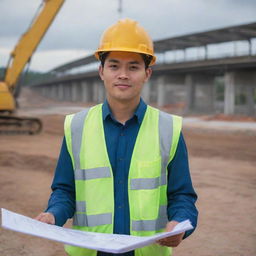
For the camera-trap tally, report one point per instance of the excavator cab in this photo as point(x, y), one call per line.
point(7, 101)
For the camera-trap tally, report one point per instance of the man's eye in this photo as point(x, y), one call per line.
point(113, 66)
point(134, 67)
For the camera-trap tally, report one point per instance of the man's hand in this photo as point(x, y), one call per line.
point(171, 241)
point(46, 217)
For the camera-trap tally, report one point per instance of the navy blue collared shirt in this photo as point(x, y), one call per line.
point(120, 141)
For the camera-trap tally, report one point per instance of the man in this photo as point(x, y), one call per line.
point(123, 166)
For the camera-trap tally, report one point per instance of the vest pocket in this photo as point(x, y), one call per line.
point(149, 169)
point(145, 189)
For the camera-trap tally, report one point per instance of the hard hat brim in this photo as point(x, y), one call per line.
point(97, 53)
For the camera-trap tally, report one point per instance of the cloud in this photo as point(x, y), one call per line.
point(16, 16)
point(80, 23)
point(47, 60)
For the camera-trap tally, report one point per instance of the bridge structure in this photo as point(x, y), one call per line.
point(212, 71)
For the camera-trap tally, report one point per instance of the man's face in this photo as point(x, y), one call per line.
point(124, 74)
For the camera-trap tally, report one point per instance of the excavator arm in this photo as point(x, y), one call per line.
point(30, 40)
point(18, 60)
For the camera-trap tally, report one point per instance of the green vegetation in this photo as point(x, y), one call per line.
point(33, 77)
point(30, 77)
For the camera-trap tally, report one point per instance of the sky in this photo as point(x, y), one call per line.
point(78, 26)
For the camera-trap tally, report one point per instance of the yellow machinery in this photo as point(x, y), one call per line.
point(19, 57)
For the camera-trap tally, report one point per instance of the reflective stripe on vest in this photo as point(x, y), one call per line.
point(94, 173)
point(149, 225)
point(76, 134)
point(84, 220)
point(165, 136)
point(81, 219)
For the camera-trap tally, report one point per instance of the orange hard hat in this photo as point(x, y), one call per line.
point(128, 36)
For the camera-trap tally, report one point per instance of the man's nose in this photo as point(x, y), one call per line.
point(123, 74)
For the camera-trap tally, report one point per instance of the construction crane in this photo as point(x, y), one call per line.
point(20, 56)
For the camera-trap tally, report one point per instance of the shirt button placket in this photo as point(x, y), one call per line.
point(120, 175)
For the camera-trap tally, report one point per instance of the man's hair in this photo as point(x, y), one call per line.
point(103, 56)
point(147, 58)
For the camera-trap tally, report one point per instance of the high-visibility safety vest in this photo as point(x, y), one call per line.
point(154, 148)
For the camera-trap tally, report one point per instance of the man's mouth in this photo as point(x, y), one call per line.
point(122, 86)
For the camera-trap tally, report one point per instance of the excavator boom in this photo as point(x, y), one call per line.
point(30, 40)
point(18, 59)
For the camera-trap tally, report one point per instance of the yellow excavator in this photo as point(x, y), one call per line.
point(20, 56)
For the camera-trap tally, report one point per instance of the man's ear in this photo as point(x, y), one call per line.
point(101, 72)
point(148, 74)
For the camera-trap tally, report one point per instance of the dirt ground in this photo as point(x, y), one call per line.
point(222, 166)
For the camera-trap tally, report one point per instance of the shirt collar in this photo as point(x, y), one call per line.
point(139, 112)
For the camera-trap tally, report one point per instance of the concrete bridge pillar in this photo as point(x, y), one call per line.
point(146, 92)
point(52, 91)
point(46, 91)
point(56, 91)
point(98, 92)
point(74, 91)
point(101, 92)
point(191, 92)
point(250, 100)
point(95, 92)
point(42, 91)
point(206, 89)
point(210, 90)
point(160, 91)
point(49, 91)
point(85, 92)
point(229, 94)
point(79, 91)
point(67, 92)
point(60, 92)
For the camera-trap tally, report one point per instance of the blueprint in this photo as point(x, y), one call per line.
point(111, 243)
